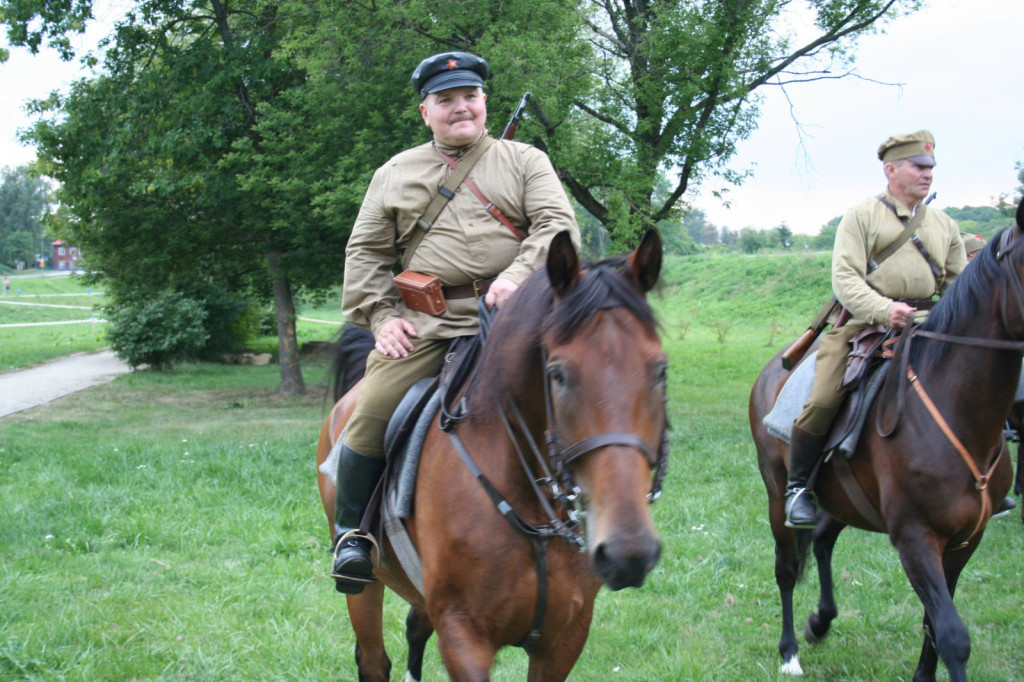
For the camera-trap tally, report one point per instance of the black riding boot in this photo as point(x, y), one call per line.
point(357, 477)
point(804, 452)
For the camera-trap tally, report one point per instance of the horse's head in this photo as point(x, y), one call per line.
point(987, 299)
point(1010, 254)
point(606, 391)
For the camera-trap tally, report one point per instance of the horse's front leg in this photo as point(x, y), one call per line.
point(825, 536)
point(933, 577)
point(553, 661)
point(365, 611)
point(466, 649)
point(788, 567)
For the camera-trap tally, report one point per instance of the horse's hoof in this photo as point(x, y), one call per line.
point(814, 629)
point(792, 667)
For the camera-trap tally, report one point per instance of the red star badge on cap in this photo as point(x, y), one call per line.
point(927, 147)
point(453, 64)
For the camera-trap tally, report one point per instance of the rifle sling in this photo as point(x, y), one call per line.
point(490, 207)
point(447, 191)
point(444, 194)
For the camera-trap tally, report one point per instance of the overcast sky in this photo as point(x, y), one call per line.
point(961, 76)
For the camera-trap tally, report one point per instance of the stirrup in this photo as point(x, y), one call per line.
point(792, 498)
point(354, 584)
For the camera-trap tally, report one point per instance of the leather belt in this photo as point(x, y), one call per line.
point(475, 289)
point(919, 303)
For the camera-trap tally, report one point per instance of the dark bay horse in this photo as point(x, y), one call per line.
point(935, 476)
point(565, 420)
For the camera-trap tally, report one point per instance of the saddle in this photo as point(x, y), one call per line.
point(870, 351)
point(393, 501)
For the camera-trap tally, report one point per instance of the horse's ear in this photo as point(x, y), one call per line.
point(1020, 214)
point(563, 264)
point(645, 263)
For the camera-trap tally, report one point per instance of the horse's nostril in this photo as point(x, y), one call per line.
point(624, 570)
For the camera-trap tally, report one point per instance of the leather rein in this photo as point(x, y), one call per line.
point(981, 480)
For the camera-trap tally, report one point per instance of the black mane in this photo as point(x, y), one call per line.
point(605, 285)
point(969, 293)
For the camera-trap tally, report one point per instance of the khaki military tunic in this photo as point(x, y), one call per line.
point(869, 228)
point(466, 243)
point(864, 231)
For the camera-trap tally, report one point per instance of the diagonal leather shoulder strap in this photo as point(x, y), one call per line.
point(444, 194)
point(909, 232)
point(909, 226)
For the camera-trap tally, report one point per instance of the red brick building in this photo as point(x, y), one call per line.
point(64, 257)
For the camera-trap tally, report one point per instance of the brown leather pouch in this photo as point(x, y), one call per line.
point(865, 345)
point(421, 292)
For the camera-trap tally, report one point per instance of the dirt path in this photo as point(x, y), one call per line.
point(25, 388)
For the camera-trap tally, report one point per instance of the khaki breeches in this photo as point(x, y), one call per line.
point(826, 396)
point(384, 385)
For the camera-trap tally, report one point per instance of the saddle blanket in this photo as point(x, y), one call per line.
point(797, 390)
point(794, 395)
point(792, 398)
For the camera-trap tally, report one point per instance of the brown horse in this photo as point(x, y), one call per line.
point(932, 478)
point(573, 362)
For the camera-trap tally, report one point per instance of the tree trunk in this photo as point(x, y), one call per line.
point(287, 339)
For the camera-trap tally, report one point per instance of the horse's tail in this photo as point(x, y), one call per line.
point(803, 544)
point(351, 349)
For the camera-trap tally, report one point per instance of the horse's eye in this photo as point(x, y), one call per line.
point(661, 377)
point(557, 375)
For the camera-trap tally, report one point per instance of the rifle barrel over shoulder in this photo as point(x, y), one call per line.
point(517, 115)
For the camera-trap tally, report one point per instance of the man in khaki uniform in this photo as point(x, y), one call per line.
point(973, 243)
point(887, 293)
point(471, 252)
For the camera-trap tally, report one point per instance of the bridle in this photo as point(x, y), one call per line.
point(555, 476)
point(562, 455)
point(555, 468)
point(1008, 243)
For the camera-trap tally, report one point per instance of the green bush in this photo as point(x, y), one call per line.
point(157, 330)
point(231, 321)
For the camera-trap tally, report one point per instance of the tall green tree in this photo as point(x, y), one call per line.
point(24, 199)
point(784, 235)
point(624, 93)
point(675, 86)
point(186, 164)
point(234, 143)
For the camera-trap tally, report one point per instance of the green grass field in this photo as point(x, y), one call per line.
point(47, 316)
point(167, 526)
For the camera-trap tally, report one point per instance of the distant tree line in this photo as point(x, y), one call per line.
point(703, 235)
point(24, 200)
